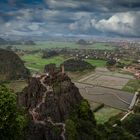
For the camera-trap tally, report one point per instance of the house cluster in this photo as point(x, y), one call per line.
point(134, 69)
point(118, 53)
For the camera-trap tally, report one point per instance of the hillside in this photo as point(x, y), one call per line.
point(77, 65)
point(56, 109)
point(11, 66)
point(82, 42)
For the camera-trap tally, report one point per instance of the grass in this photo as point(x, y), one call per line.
point(132, 86)
point(104, 114)
point(97, 63)
point(35, 62)
point(16, 86)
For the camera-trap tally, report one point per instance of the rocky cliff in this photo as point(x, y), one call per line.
point(49, 99)
point(11, 66)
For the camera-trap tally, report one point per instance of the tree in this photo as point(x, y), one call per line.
point(111, 62)
point(12, 120)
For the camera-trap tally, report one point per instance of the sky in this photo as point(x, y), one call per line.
point(114, 18)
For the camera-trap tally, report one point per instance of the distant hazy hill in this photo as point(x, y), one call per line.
point(11, 66)
point(9, 42)
point(16, 42)
point(30, 42)
point(82, 42)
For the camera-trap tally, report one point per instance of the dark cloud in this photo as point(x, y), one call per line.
point(94, 5)
point(94, 17)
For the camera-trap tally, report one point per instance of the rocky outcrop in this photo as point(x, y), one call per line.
point(49, 100)
point(82, 42)
point(50, 53)
point(77, 65)
point(11, 66)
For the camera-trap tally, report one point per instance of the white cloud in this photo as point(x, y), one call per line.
point(34, 26)
point(126, 23)
point(120, 23)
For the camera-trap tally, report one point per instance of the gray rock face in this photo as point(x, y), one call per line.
point(61, 97)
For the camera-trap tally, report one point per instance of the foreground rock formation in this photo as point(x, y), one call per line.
point(49, 100)
point(11, 66)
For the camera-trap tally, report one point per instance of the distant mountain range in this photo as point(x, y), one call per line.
point(16, 42)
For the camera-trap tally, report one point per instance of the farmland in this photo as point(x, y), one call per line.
point(104, 114)
point(105, 87)
point(35, 62)
point(54, 44)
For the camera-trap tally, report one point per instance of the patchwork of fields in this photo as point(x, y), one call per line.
point(105, 87)
point(111, 97)
point(107, 79)
point(35, 62)
point(54, 44)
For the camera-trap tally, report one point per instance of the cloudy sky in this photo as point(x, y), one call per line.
point(114, 18)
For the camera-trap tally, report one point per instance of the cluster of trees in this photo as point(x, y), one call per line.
point(48, 54)
point(12, 118)
point(113, 62)
point(82, 126)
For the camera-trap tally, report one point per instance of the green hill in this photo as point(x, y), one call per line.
point(11, 66)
